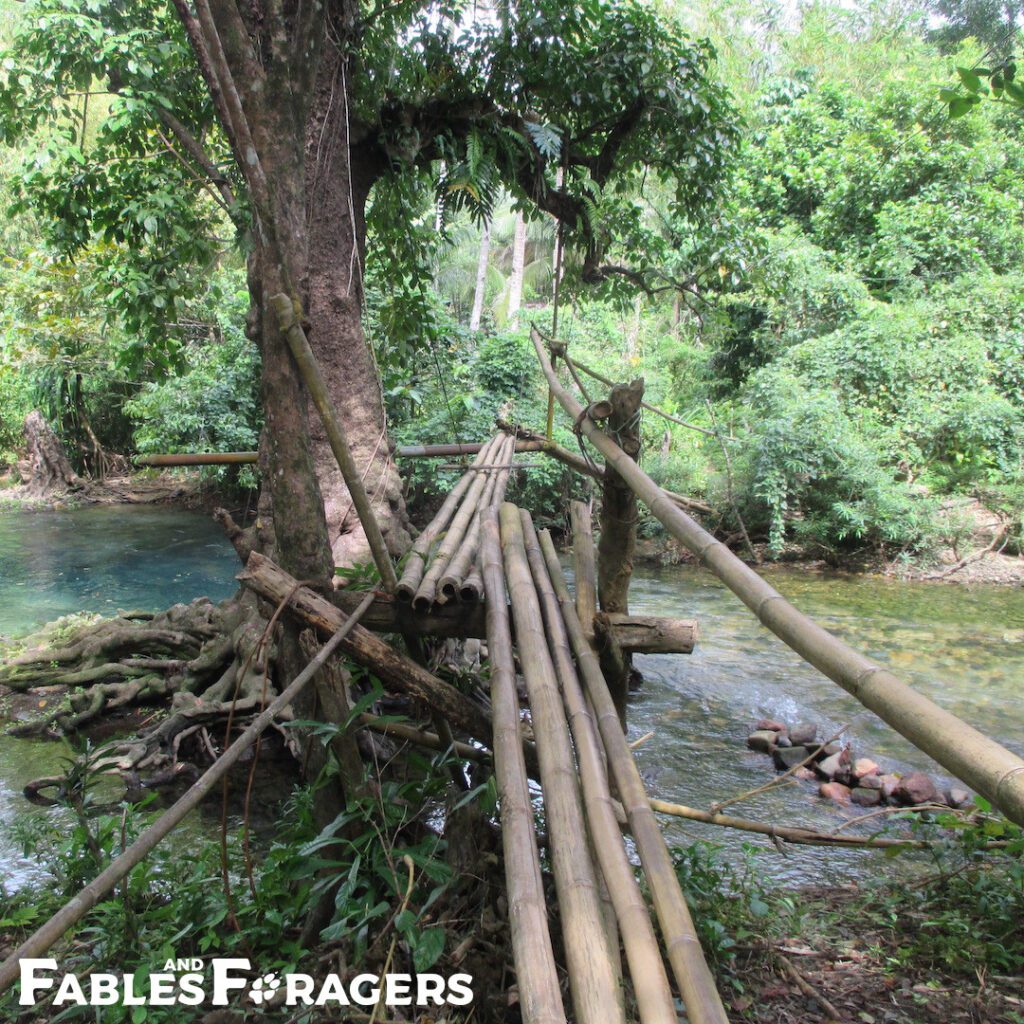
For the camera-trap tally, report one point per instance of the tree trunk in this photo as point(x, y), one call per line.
point(515, 286)
point(481, 279)
point(337, 187)
point(46, 470)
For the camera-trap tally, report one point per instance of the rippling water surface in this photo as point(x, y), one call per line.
point(963, 647)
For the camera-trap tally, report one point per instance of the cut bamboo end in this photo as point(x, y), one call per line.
point(472, 589)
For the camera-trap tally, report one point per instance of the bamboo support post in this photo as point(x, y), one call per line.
point(646, 968)
point(584, 567)
point(985, 765)
point(416, 561)
point(396, 671)
point(461, 561)
point(696, 983)
point(310, 371)
point(539, 993)
point(591, 961)
point(75, 909)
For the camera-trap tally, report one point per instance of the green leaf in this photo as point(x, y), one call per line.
point(970, 79)
point(428, 949)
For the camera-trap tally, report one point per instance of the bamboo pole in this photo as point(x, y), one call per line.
point(426, 592)
point(788, 833)
point(310, 371)
point(198, 459)
point(696, 984)
point(410, 734)
point(462, 560)
point(646, 968)
point(539, 994)
point(418, 555)
point(584, 567)
point(75, 909)
point(592, 962)
point(985, 765)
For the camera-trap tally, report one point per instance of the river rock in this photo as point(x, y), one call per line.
point(958, 798)
point(770, 723)
point(804, 734)
point(834, 791)
point(836, 764)
point(864, 766)
point(828, 749)
point(763, 740)
point(805, 774)
point(870, 782)
point(866, 797)
point(787, 757)
point(782, 739)
point(889, 785)
point(916, 788)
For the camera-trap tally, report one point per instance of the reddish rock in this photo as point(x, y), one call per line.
point(916, 788)
point(864, 766)
point(769, 723)
point(804, 774)
point(889, 784)
point(834, 791)
point(763, 740)
point(958, 798)
point(866, 797)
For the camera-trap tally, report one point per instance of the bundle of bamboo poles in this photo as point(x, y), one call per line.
point(581, 750)
point(443, 564)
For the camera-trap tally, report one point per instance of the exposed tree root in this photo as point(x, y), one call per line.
point(203, 660)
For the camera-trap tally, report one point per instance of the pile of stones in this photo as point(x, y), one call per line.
point(841, 777)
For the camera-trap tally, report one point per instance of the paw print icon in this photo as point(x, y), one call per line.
point(263, 989)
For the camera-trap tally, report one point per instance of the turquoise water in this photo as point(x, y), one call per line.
point(106, 558)
point(98, 560)
point(963, 647)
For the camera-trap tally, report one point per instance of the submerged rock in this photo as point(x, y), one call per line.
point(787, 757)
point(866, 797)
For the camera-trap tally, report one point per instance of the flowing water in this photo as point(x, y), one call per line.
point(963, 647)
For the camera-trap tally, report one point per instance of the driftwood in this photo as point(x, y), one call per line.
point(986, 766)
point(396, 671)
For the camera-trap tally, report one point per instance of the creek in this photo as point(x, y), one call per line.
point(963, 647)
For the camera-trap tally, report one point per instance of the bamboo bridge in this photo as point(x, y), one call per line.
point(481, 568)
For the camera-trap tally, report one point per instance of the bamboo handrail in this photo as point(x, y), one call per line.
point(539, 993)
point(77, 907)
point(646, 967)
point(981, 762)
point(314, 381)
point(589, 956)
point(692, 974)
